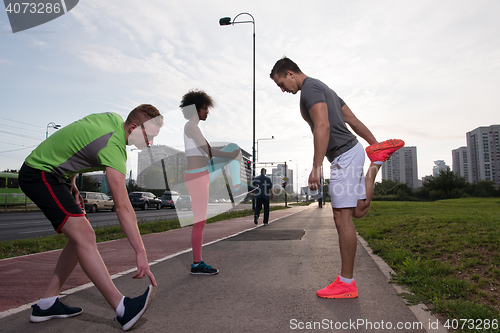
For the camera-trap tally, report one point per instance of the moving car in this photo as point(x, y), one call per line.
point(95, 201)
point(169, 198)
point(144, 200)
point(184, 201)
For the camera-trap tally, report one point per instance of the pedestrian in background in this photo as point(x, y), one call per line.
point(262, 196)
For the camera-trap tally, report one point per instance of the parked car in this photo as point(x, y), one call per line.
point(169, 198)
point(144, 200)
point(95, 201)
point(184, 201)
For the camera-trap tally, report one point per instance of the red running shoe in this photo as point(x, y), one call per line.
point(339, 289)
point(383, 150)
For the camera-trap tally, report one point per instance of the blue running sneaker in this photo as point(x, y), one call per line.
point(57, 310)
point(203, 269)
point(135, 308)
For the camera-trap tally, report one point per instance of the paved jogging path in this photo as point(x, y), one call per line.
point(267, 283)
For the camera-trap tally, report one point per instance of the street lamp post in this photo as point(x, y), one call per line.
point(53, 125)
point(227, 21)
point(271, 138)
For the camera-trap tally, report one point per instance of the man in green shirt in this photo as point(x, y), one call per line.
point(96, 142)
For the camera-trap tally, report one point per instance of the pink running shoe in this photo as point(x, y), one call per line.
point(383, 150)
point(339, 289)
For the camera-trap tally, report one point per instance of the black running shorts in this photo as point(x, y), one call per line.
point(51, 193)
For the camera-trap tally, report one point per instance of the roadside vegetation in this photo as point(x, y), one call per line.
point(14, 248)
point(447, 185)
point(446, 252)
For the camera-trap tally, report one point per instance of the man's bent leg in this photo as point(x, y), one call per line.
point(65, 265)
point(80, 232)
point(266, 210)
point(377, 153)
point(258, 206)
point(364, 205)
point(347, 240)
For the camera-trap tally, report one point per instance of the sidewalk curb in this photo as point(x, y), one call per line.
point(420, 310)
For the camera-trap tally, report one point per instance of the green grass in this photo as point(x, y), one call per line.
point(447, 253)
point(14, 248)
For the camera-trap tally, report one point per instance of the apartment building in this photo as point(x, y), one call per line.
point(459, 162)
point(402, 167)
point(160, 163)
point(483, 154)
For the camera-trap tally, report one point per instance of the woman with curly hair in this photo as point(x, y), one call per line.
point(204, 164)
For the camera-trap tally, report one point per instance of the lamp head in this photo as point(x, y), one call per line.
point(225, 21)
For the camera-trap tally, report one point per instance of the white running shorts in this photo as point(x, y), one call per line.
point(347, 178)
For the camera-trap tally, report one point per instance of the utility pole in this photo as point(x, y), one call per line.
point(286, 204)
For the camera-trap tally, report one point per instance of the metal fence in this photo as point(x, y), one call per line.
point(15, 201)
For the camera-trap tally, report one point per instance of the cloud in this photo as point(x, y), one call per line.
point(422, 70)
point(40, 44)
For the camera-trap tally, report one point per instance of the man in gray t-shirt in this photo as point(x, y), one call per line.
point(351, 192)
point(314, 91)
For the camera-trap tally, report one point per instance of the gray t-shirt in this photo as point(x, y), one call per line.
point(314, 91)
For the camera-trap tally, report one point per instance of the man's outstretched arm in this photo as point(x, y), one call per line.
point(128, 221)
point(321, 137)
point(357, 126)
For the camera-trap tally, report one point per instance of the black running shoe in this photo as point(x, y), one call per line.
point(57, 310)
point(203, 269)
point(135, 308)
point(255, 219)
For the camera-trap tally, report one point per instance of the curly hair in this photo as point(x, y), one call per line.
point(197, 97)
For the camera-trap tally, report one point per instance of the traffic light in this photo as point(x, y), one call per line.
point(284, 184)
point(248, 164)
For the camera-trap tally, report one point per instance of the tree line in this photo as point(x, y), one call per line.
point(447, 185)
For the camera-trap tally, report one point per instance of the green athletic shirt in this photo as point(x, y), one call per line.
point(89, 144)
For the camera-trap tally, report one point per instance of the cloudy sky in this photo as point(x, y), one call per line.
point(423, 71)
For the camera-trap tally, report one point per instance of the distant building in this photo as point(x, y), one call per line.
point(459, 162)
point(174, 161)
point(169, 165)
point(440, 165)
point(424, 179)
point(483, 154)
point(278, 177)
point(402, 167)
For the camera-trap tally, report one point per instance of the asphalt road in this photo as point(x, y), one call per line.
point(30, 224)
